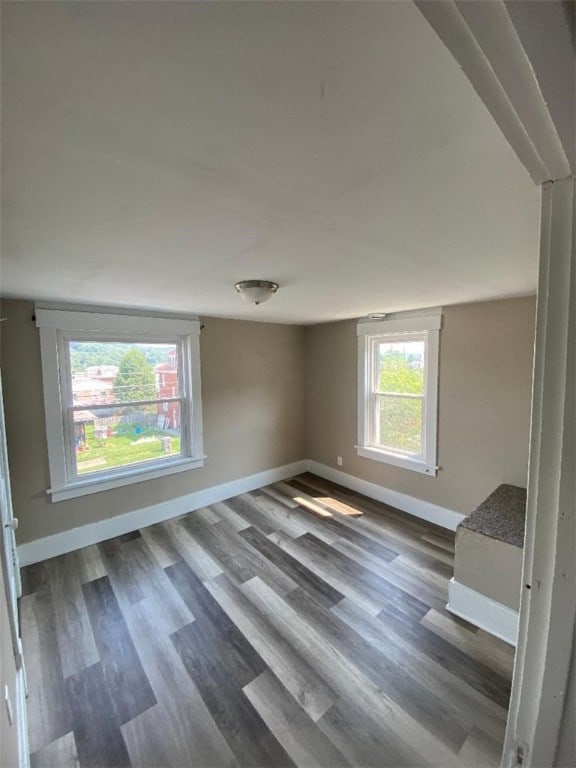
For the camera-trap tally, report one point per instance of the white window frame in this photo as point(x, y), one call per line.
point(57, 327)
point(409, 326)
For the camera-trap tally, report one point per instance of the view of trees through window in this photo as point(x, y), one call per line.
point(399, 396)
point(83, 354)
point(135, 379)
point(111, 427)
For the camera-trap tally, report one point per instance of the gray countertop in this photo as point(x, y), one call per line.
point(501, 516)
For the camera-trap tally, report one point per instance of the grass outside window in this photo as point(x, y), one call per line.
point(129, 444)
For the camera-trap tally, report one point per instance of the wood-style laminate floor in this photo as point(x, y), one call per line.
point(301, 624)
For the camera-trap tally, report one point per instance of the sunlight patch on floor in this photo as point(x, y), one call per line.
point(339, 506)
point(313, 507)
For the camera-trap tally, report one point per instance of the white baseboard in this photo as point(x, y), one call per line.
point(416, 507)
point(83, 536)
point(482, 611)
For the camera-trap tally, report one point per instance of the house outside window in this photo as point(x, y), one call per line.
point(398, 390)
point(122, 398)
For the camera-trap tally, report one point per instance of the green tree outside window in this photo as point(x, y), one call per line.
point(135, 379)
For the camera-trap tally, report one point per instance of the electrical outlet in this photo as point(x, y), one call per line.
point(339, 460)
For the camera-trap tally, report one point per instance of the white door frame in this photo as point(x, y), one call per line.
point(13, 590)
point(8, 552)
point(520, 59)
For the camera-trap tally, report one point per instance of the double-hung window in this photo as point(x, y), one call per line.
point(397, 390)
point(122, 398)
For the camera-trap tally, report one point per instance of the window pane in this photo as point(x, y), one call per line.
point(399, 424)
point(400, 367)
point(120, 436)
point(117, 372)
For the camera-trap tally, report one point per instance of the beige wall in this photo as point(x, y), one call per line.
point(489, 566)
point(253, 405)
point(484, 403)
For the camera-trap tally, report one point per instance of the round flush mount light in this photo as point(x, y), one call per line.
point(256, 291)
point(377, 315)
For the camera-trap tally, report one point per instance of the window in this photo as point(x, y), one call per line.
point(122, 398)
point(397, 390)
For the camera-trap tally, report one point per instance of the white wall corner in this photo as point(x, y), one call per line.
point(483, 612)
point(446, 518)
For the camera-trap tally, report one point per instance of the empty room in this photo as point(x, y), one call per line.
point(287, 404)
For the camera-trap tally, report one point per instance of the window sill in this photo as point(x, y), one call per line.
point(95, 485)
point(396, 459)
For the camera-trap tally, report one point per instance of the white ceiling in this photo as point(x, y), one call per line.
point(155, 153)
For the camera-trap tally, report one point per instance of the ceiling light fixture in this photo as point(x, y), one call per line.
point(256, 291)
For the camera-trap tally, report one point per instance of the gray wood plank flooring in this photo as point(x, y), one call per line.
point(298, 625)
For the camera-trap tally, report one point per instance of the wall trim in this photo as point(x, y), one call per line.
point(82, 536)
point(92, 533)
point(22, 715)
point(425, 510)
point(498, 619)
